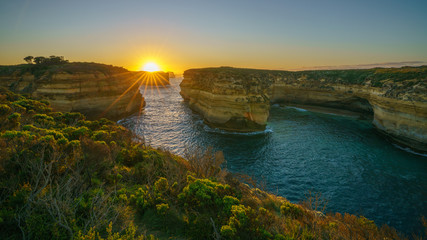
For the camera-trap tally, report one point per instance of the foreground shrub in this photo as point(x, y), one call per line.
point(128, 234)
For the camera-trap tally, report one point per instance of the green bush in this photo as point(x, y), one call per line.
point(162, 208)
point(205, 195)
point(14, 117)
point(143, 199)
point(77, 133)
point(29, 104)
point(4, 109)
point(241, 224)
point(100, 135)
point(128, 234)
point(289, 209)
point(43, 120)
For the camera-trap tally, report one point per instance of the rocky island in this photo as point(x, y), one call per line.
point(97, 90)
point(239, 99)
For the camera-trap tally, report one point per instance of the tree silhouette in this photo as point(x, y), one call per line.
point(29, 59)
point(51, 60)
point(39, 60)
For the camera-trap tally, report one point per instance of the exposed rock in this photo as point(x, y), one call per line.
point(239, 99)
point(93, 91)
point(171, 74)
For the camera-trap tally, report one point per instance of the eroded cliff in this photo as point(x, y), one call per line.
point(93, 89)
point(239, 99)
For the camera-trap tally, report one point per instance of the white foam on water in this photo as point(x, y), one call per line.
point(221, 131)
point(298, 109)
point(410, 150)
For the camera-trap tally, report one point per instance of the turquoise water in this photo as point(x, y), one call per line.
point(343, 158)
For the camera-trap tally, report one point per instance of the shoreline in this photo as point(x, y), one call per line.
point(357, 116)
point(328, 110)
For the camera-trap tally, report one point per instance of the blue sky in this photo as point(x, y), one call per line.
point(184, 34)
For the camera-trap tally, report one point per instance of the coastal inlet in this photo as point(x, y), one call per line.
point(341, 157)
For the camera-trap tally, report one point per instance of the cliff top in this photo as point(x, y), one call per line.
point(73, 67)
point(376, 77)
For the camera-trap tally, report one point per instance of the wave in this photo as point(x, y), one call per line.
point(225, 132)
point(406, 149)
point(297, 108)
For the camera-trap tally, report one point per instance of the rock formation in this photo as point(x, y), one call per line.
point(239, 99)
point(93, 89)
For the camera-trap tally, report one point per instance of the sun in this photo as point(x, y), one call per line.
point(151, 67)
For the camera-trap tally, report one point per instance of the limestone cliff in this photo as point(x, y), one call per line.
point(96, 90)
point(239, 99)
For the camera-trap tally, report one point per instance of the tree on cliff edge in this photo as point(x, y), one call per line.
point(52, 60)
point(29, 59)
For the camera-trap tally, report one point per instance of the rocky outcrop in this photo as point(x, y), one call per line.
point(239, 99)
point(95, 93)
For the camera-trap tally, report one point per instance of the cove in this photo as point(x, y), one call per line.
point(342, 158)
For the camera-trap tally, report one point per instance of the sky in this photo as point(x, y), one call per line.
point(183, 34)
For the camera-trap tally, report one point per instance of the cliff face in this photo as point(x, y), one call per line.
point(228, 101)
point(239, 99)
point(92, 92)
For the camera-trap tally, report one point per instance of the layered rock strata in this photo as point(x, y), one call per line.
point(239, 99)
point(94, 93)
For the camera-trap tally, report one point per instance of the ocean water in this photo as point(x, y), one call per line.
point(342, 158)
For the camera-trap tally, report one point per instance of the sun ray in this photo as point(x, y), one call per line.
point(118, 98)
point(146, 85)
point(148, 78)
point(136, 92)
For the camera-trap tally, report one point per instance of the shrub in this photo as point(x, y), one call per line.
point(4, 109)
point(205, 195)
point(227, 232)
point(129, 156)
point(77, 133)
point(72, 118)
point(242, 224)
point(289, 209)
point(142, 199)
point(43, 120)
point(100, 135)
point(129, 234)
point(161, 185)
point(29, 104)
point(162, 208)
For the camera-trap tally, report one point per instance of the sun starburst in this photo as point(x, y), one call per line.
point(151, 67)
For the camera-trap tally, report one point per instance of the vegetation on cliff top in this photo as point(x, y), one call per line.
point(63, 177)
point(376, 76)
point(39, 66)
